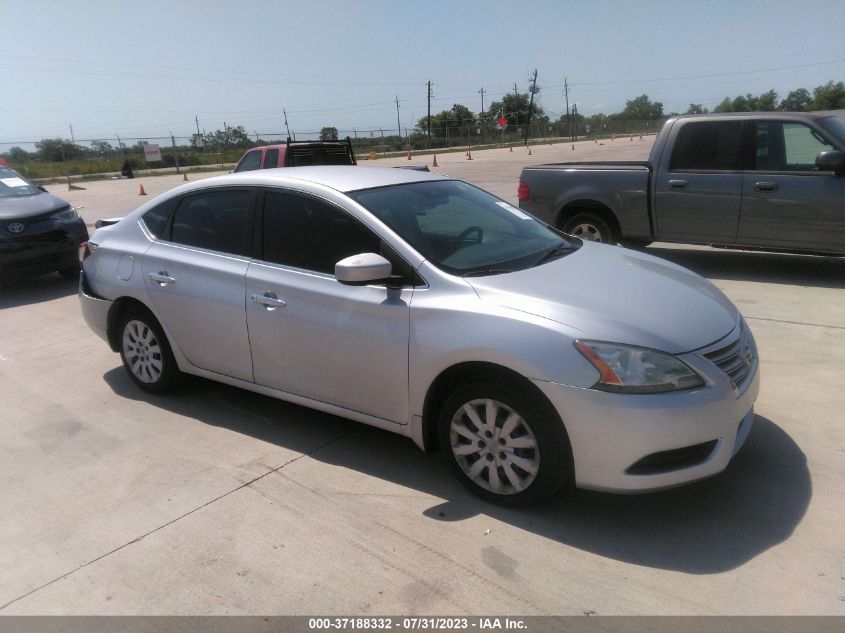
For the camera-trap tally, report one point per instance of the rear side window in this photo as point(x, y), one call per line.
point(216, 220)
point(709, 145)
point(156, 218)
point(271, 159)
point(307, 233)
point(250, 161)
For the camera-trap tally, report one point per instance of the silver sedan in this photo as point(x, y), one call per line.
point(425, 306)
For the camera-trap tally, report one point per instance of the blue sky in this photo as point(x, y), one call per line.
point(145, 69)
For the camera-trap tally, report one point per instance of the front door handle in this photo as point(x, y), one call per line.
point(161, 278)
point(678, 184)
point(269, 300)
point(765, 186)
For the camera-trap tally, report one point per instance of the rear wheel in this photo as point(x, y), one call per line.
point(591, 227)
point(503, 445)
point(145, 352)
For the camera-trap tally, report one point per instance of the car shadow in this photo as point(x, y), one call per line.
point(20, 292)
point(704, 528)
point(776, 268)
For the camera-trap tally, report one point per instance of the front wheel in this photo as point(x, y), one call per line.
point(503, 445)
point(590, 227)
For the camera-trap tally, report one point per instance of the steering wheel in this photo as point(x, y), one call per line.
point(469, 231)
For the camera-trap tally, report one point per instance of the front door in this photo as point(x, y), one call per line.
point(313, 336)
point(786, 201)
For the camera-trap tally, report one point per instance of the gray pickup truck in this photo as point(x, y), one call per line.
point(768, 180)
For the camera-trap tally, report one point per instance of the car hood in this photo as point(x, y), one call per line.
point(618, 295)
point(18, 208)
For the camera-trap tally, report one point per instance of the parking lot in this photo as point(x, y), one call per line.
point(219, 501)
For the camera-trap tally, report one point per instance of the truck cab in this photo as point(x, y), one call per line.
point(297, 154)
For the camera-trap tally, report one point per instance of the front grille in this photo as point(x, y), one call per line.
point(25, 241)
point(676, 459)
point(735, 359)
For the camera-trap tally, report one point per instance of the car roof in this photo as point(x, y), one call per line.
point(818, 114)
point(343, 178)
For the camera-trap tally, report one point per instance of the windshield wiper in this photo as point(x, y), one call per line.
point(561, 248)
point(487, 271)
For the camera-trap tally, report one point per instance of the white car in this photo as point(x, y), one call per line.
point(425, 306)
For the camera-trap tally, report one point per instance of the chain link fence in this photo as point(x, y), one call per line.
point(53, 159)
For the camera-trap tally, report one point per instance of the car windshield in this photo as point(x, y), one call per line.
point(835, 125)
point(462, 229)
point(13, 186)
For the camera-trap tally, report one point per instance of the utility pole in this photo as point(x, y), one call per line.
point(286, 122)
point(175, 154)
point(398, 124)
point(481, 115)
point(428, 124)
point(568, 120)
point(72, 141)
point(119, 145)
point(531, 104)
point(515, 93)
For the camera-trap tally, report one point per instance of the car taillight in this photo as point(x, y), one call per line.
point(523, 192)
point(86, 249)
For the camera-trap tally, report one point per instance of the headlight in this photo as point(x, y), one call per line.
point(628, 369)
point(68, 213)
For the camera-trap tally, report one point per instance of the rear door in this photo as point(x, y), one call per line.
point(698, 189)
point(271, 158)
point(195, 277)
point(786, 201)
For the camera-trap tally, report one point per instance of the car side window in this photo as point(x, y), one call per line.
point(708, 145)
point(307, 233)
point(156, 219)
point(787, 146)
point(271, 159)
point(250, 161)
point(216, 220)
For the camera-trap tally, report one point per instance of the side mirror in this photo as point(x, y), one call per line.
point(363, 269)
point(831, 161)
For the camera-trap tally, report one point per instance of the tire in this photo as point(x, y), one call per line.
point(531, 459)
point(145, 352)
point(591, 227)
point(69, 272)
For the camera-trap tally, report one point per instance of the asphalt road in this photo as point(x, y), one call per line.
point(216, 501)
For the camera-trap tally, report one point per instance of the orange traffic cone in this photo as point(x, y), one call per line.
point(409, 153)
point(142, 192)
point(511, 149)
point(573, 147)
point(434, 164)
point(185, 177)
point(529, 150)
point(469, 153)
point(632, 138)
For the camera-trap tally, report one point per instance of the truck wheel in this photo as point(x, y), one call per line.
point(590, 227)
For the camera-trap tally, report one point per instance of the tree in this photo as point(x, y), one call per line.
point(642, 109)
point(328, 134)
point(228, 137)
point(768, 101)
point(515, 109)
point(796, 101)
point(724, 106)
point(18, 155)
point(458, 120)
point(830, 96)
point(101, 147)
point(57, 149)
point(696, 108)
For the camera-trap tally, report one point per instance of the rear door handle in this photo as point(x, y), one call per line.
point(765, 186)
point(678, 184)
point(269, 300)
point(161, 278)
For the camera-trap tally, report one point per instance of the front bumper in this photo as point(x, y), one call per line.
point(42, 252)
point(612, 432)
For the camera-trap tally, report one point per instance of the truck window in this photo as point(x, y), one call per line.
point(250, 161)
point(708, 145)
point(787, 146)
point(271, 159)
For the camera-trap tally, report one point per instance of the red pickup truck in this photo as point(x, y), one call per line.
point(297, 154)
